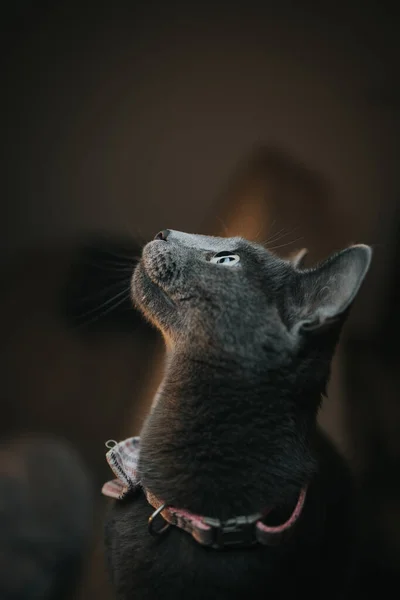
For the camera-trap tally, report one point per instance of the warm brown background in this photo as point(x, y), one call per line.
point(210, 120)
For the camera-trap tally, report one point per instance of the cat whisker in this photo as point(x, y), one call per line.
point(274, 237)
point(116, 285)
point(111, 266)
point(114, 255)
point(287, 244)
point(104, 313)
point(280, 235)
point(125, 293)
point(258, 234)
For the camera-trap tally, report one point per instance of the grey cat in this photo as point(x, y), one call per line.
point(230, 454)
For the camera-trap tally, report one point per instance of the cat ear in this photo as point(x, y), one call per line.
point(323, 294)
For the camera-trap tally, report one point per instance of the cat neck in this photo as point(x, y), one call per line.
point(219, 441)
point(215, 375)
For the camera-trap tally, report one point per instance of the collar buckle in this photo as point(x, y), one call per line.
point(235, 532)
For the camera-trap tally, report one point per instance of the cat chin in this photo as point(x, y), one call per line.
point(149, 297)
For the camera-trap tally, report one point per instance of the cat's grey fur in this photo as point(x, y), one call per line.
point(233, 426)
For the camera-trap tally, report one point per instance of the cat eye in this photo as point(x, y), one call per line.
point(225, 258)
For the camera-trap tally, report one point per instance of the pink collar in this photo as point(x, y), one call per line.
point(239, 531)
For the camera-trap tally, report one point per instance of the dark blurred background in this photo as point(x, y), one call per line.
point(278, 123)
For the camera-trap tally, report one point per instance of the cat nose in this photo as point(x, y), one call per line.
point(162, 235)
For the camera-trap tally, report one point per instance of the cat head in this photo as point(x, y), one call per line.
point(233, 295)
